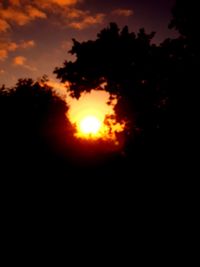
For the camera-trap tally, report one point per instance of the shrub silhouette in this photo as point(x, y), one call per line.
point(34, 126)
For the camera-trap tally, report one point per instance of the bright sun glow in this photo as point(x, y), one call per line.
point(90, 125)
point(93, 117)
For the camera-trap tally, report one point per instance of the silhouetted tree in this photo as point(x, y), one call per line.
point(150, 81)
point(34, 127)
point(130, 65)
point(186, 20)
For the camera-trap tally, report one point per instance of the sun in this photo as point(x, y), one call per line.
point(90, 125)
point(93, 117)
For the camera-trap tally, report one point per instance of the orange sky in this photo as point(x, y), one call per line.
point(35, 36)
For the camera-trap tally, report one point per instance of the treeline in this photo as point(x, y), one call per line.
point(150, 81)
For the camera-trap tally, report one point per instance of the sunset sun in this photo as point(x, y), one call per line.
point(94, 118)
point(90, 125)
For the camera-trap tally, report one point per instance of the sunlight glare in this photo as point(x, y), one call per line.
point(93, 117)
point(90, 125)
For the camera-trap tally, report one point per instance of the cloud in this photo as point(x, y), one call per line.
point(7, 46)
point(35, 13)
point(43, 3)
point(64, 2)
point(22, 12)
point(4, 26)
point(61, 3)
point(15, 15)
point(21, 61)
point(12, 46)
point(27, 44)
point(122, 12)
point(20, 15)
point(70, 15)
point(74, 13)
point(87, 21)
point(53, 5)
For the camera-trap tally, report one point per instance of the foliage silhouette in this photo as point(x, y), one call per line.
point(185, 20)
point(34, 126)
point(134, 70)
point(149, 80)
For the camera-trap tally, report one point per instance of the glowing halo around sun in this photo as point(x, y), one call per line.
point(93, 117)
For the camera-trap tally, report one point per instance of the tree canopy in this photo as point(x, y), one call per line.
point(133, 68)
point(34, 125)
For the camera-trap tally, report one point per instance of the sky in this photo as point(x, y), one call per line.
point(35, 35)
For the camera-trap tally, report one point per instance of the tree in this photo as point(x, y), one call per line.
point(124, 60)
point(34, 126)
point(112, 56)
point(149, 80)
point(185, 19)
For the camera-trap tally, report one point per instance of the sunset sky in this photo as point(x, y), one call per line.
point(35, 35)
